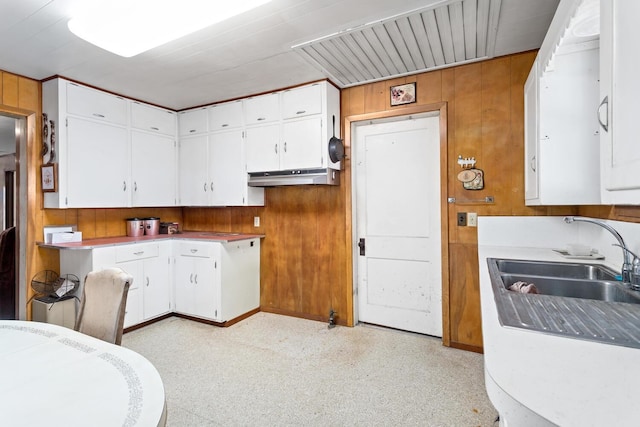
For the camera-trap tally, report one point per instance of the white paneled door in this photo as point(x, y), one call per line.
point(397, 205)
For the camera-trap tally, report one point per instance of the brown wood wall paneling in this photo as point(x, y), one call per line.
point(306, 254)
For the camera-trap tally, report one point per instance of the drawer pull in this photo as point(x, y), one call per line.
point(225, 125)
point(192, 131)
point(138, 253)
point(261, 119)
point(301, 112)
point(193, 251)
point(98, 115)
point(154, 128)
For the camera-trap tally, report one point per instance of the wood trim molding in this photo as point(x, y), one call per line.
point(441, 108)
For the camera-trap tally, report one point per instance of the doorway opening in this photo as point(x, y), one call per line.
point(12, 262)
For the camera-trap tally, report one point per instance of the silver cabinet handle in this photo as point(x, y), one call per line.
point(533, 163)
point(147, 280)
point(124, 185)
point(192, 131)
point(225, 125)
point(301, 112)
point(193, 251)
point(138, 253)
point(605, 102)
point(154, 128)
point(98, 115)
point(285, 147)
point(275, 147)
point(135, 186)
point(191, 278)
point(195, 279)
point(261, 119)
point(205, 187)
point(211, 185)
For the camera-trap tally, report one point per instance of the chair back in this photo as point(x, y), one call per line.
point(103, 303)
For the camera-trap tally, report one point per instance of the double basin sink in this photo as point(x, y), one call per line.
point(567, 279)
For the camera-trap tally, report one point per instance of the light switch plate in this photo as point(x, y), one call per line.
point(256, 221)
point(472, 219)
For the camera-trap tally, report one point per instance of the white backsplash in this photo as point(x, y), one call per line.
point(553, 233)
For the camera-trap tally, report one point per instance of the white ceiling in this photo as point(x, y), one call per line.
point(252, 53)
point(245, 55)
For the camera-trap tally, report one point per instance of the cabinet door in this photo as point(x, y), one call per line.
point(97, 164)
point(302, 144)
point(225, 116)
point(193, 185)
point(95, 104)
point(206, 288)
point(262, 109)
point(133, 309)
point(531, 134)
point(620, 90)
point(192, 122)
point(184, 291)
point(263, 148)
point(153, 169)
point(153, 119)
point(155, 285)
point(227, 169)
point(303, 101)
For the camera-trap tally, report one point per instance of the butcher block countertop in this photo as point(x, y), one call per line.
point(208, 236)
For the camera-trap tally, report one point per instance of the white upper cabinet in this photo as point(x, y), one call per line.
point(299, 139)
point(192, 122)
point(262, 109)
point(619, 93)
point(302, 101)
point(225, 116)
point(91, 103)
point(110, 152)
point(153, 119)
point(561, 134)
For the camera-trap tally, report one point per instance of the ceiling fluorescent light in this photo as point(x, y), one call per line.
point(130, 27)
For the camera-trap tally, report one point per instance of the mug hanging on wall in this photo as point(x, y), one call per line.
point(471, 177)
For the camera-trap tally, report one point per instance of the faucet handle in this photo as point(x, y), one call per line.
point(632, 271)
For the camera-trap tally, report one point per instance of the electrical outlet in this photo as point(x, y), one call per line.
point(462, 219)
point(472, 219)
point(256, 221)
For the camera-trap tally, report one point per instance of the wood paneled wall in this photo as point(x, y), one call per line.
point(306, 252)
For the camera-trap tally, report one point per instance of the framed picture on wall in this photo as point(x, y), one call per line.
point(49, 175)
point(403, 94)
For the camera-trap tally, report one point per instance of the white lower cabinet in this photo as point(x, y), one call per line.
point(217, 281)
point(148, 263)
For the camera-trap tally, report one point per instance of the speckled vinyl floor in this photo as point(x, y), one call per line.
point(271, 370)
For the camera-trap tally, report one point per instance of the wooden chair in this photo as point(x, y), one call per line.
point(102, 304)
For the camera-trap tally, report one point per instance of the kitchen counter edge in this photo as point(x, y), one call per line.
point(126, 240)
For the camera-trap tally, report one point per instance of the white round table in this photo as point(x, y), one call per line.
point(51, 375)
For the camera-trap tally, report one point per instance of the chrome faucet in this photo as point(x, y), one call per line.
point(630, 269)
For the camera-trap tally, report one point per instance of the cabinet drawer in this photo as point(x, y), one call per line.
point(138, 251)
point(192, 122)
point(152, 119)
point(262, 109)
point(225, 116)
point(197, 249)
point(92, 103)
point(302, 101)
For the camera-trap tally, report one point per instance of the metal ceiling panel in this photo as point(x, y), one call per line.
point(449, 33)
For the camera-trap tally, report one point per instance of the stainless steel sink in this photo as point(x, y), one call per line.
point(601, 290)
point(567, 270)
